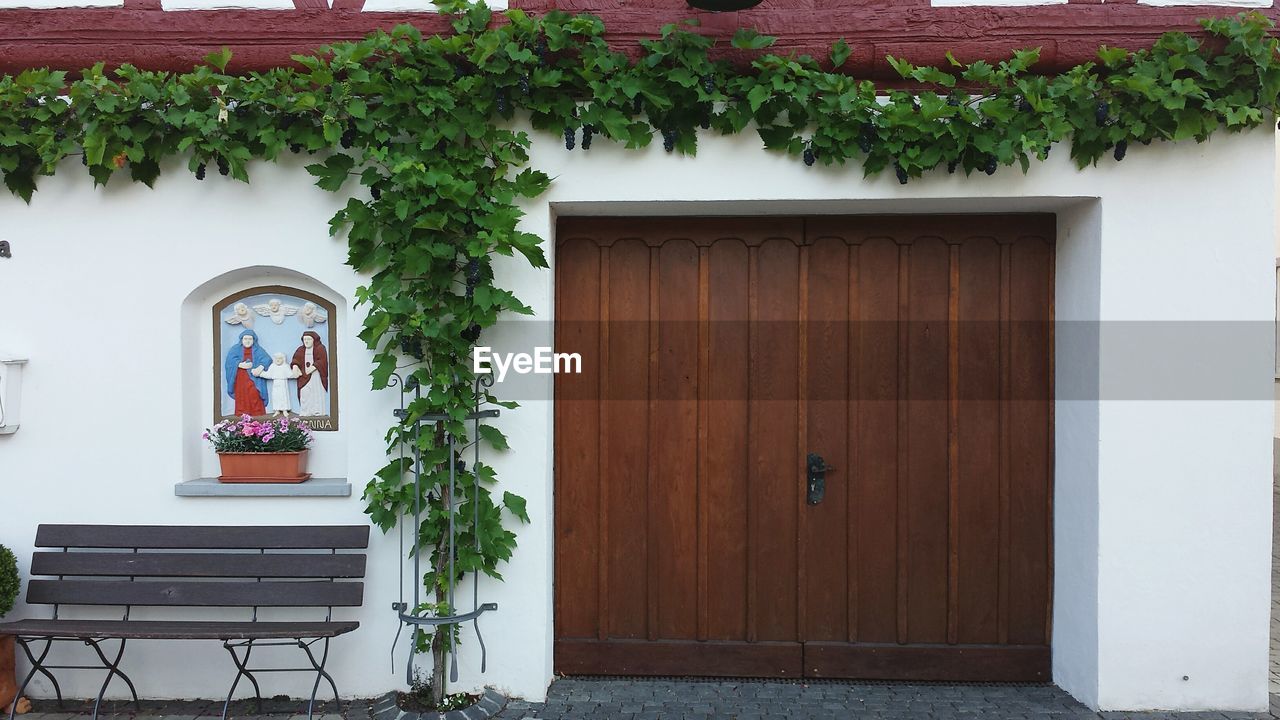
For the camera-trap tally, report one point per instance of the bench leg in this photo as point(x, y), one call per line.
point(320, 674)
point(113, 670)
point(242, 670)
point(37, 666)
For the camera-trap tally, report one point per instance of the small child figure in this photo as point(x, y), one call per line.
point(279, 374)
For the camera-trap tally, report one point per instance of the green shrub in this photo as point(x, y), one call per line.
point(9, 582)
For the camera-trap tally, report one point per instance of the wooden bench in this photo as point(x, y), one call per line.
point(191, 567)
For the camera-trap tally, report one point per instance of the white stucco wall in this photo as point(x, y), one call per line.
point(1162, 534)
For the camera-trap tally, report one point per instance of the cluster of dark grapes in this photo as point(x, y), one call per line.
point(200, 171)
point(866, 138)
point(1122, 147)
point(991, 165)
point(570, 137)
point(669, 137)
point(1023, 105)
point(637, 105)
point(588, 131)
point(473, 277)
point(348, 136)
point(901, 172)
point(471, 333)
point(500, 102)
point(709, 84)
point(809, 156)
point(951, 167)
point(525, 86)
point(1101, 113)
point(375, 192)
point(540, 49)
point(224, 168)
point(411, 346)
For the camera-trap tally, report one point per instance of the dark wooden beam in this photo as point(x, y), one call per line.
point(142, 34)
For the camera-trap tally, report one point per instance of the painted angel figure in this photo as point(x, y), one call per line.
point(242, 316)
point(310, 315)
point(275, 310)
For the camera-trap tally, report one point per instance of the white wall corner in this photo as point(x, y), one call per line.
point(1077, 435)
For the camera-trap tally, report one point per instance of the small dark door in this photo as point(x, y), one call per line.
point(728, 363)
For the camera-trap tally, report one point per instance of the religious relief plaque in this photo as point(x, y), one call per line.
point(275, 353)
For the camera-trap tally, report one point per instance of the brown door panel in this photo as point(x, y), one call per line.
point(913, 353)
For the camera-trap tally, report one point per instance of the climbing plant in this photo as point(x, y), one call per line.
point(425, 136)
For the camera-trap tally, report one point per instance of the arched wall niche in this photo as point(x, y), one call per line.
point(199, 349)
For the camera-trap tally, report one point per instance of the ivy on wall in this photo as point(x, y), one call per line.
point(428, 129)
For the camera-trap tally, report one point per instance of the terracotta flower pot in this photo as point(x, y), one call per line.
point(8, 676)
point(285, 467)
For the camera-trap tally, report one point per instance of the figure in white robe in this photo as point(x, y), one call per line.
point(279, 374)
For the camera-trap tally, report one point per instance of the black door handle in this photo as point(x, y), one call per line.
point(817, 478)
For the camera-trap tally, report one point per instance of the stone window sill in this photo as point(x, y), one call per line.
point(315, 487)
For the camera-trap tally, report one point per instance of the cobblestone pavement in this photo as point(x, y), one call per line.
point(583, 699)
point(662, 699)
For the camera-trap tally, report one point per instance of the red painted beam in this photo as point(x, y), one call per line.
point(142, 34)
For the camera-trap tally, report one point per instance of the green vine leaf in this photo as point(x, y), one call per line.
point(219, 59)
point(516, 505)
point(840, 52)
point(747, 39)
point(494, 437)
point(333, 172)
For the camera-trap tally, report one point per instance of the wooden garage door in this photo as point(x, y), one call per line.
point(912, 353)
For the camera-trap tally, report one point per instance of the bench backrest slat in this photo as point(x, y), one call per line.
point(196, 594)
point(198, 565)
point(189, 537)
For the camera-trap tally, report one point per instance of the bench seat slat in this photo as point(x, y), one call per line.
point(195, 593)
point(193, 537)
point(176, 630)
point(208, 565)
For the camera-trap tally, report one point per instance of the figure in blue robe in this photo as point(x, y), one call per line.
point(242, 383)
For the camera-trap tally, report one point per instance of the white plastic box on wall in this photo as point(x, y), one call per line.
point(11, 366)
